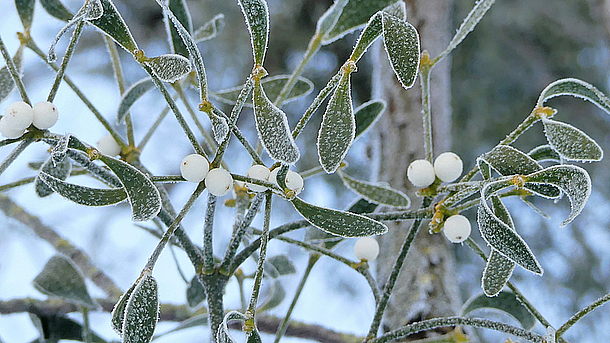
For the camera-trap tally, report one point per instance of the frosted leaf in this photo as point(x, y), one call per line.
point(142, 194)
point(223, 335)
point(576, 88)
point(256, 14)
point(195, 293)
point(328, 20)
point(58, 153)
point(169, 67)
point(253, 336)
point(367, 114)
point(484, 169)
point(118, 311)
point(471, 20)
point(572, 180)
point(356, 14)
point(94, 9)
point(282, 264)
point(339, 223)
point(272, 85)
point(371, 32)
point(141, 311)
point(56, 9)
point(505, 240)
point(544, 153)
point(112, 24)
point(273, 130)
point(220, 128)
point(59, 170)
point(83, 195)
point(131, 95)
point(401, 42)
point(211, 29)
point(25, 9)
point(338, 127)
point(180, 9)
point(275, 297)
point(194, 52)
point(571, 143)
point(379, 194)
point(506, 302)
point(61, 278)
point(7, 85)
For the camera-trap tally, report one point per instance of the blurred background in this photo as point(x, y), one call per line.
point(497, 72)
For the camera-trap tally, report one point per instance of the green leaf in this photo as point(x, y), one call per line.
point(282, 264)
point(112, 24)
point(53, 328)
point(544, 153)
point(223, 331)
point(272, 86)
point(62, 279)
point(142, 311)
point(484, 169)
point(181, 11)
point(471, 20)
point(272, 127)
point(571, 143)
point(25, 8)
point(118, 312)
point(576, 88)
point(132, 95)
point(275, 298)
point(253, 336)
point(56, 9)
point(367, 114)
point(354, 16)
point(195, 293)
point(506, 302)
point(572, 180)
point(7, 85)
point(191, 46)
point(505, 240)
point(401, 42)
point(362, 206)
point(379, 194)
point(59, 170)
point(498, 269)
point(338, 223)
point(256, 14)
point(328, 20)
point(338, 127)
point(83, 195)
point(220, 127)
point(143, 196)
point(169, 67)
point(211, 29)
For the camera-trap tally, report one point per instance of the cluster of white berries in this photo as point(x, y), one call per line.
point(19, 115)
point(196, 168)
point(293, 180)
point(366, 248)
point(457, 228)
point(447, 167)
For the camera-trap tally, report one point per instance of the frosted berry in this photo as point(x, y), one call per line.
point(457, 228)
point(259, 172)
point(45, 115)
point(366, 248)
point(421, 173)
point(194, 168)
point(108, 146)
point(19, 115)
point(448, 166)
point(219, 182)
point(8, 131)
point(294, 181)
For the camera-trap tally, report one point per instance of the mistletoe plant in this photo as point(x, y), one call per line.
point(502, 172)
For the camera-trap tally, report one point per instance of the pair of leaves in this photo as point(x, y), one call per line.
point(379, 194)
point(135, 315)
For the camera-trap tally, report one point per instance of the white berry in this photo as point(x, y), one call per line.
point(45, 115)
point(448, 166)
point(258, 172)
point(366, 248)
point(8, 131)
point(219, 182)
point(108, 146)
point(194, 168)
point(421, 173)
point(19, 115)
point(457, 228)
point(293, 180)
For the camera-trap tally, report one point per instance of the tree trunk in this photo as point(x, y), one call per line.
point(427, 286)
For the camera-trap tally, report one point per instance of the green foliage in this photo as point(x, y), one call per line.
point(170, 67)
point(576, 88)
point(355, 15)
point(506, 302)
point(571, 143)
point(272, 86)
point(195, 293)
point(401, 42)
point(118, 312)
point(57, 9)
point(210, 30)
point(379, 194)
point(59, 170)
point(256, 14)
point(131, 95)
point(223, 331)
point(7, 85)
point(181, 11)
point(111, 23)
point(53, 328)
point(367, 114)
point(25, 8)
point(141, 311)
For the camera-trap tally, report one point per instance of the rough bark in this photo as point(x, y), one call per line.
point(426, 287)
